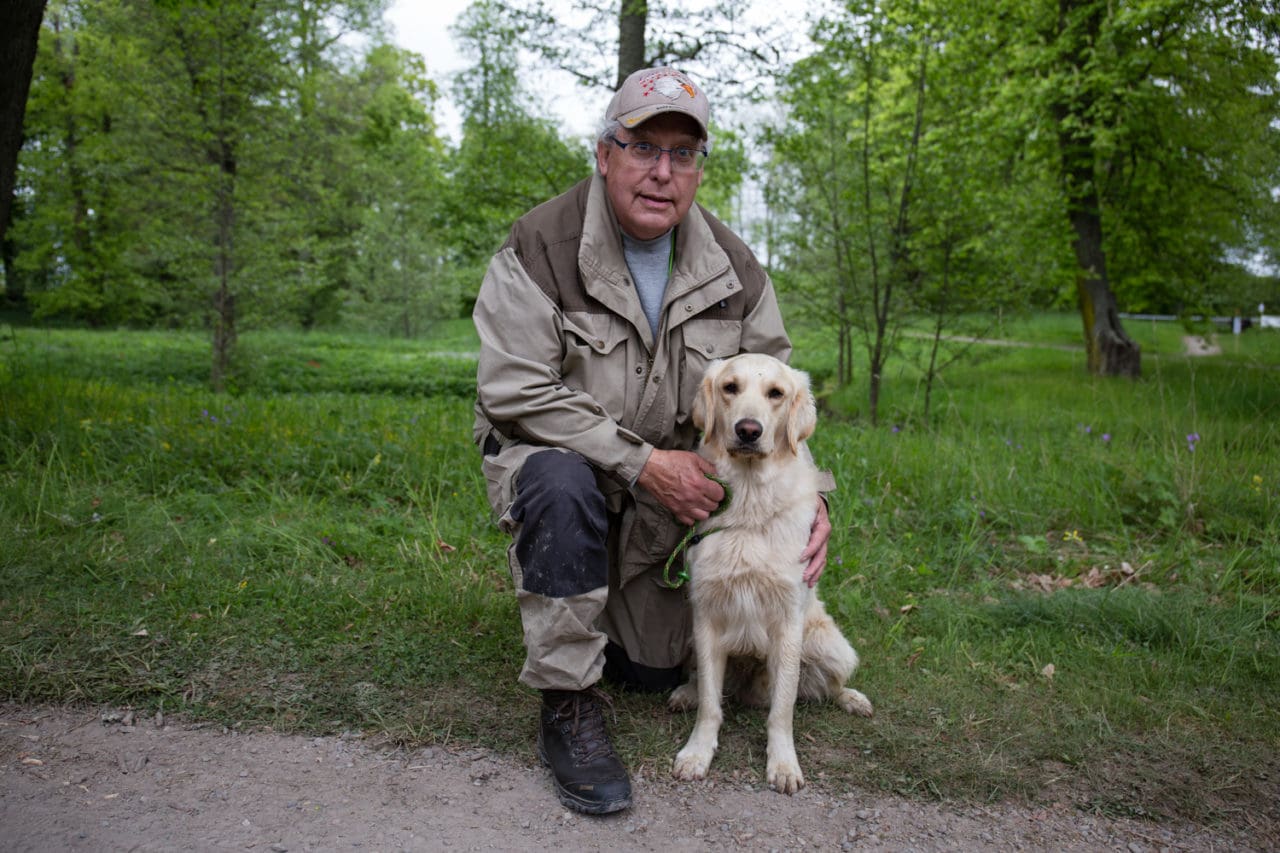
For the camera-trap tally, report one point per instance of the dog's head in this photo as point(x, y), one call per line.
point(754, 405)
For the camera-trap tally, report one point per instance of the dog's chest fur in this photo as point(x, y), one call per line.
point(737, 582)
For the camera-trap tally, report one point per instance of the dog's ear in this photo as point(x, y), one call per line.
point(704, 404)
point(802, 419)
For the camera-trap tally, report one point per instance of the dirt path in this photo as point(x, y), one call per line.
point(79, 780)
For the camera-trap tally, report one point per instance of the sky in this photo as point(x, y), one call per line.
point(423, 27)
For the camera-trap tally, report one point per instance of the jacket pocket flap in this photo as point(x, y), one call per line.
point(602, 332)
point(713, 338)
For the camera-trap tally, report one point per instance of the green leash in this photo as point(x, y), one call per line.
point(692, 537)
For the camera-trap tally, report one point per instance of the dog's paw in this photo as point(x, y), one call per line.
point(854, 702)
point(683, 698)
point(691, 764)
point(784, 775)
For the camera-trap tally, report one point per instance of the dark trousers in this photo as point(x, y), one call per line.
point(561, 549)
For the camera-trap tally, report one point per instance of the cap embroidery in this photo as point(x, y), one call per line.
point(668, 85)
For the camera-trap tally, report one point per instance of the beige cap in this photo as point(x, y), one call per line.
point(651, 91)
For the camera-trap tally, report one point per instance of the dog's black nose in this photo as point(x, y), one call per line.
point(748, 430)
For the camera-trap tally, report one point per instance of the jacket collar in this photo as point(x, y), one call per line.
point(699, 257)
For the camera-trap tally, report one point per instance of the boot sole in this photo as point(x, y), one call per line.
point(573, 801)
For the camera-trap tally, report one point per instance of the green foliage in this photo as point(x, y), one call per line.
point(903, 197)
point(511, 158)
point(939, 158)
point(305, 177)
point(1049, 583)
point(1173, 113)
point(724, 175)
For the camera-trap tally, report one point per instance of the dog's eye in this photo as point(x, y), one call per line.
point(731, 387)
point(776, 394)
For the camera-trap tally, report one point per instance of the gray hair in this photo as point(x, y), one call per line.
point(608, 128)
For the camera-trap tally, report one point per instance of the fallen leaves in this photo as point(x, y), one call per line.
point(1094, 578)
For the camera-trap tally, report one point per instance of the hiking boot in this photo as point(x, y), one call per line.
point(572, 741)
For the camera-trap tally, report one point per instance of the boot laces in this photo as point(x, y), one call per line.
point(589, 739)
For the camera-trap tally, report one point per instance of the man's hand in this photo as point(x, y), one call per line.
point(816, 551)
point(678, 479)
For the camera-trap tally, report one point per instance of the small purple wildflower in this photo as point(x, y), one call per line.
point(896, 428)
point(1106, 437)
point(1192, 438)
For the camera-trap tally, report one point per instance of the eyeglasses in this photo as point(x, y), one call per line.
point(683, 158)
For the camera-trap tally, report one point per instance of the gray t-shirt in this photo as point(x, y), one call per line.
point(650, 265)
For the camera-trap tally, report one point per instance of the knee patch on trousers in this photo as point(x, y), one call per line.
point(563, 525)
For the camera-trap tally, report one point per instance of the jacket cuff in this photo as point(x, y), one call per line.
point(634, 459)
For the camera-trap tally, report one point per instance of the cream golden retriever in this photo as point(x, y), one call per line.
point(754, 618)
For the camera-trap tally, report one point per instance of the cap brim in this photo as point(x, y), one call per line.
point(638, 117)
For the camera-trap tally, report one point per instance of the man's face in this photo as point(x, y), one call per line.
point(651, 198)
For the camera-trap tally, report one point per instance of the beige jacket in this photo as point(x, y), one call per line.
point(567, 358)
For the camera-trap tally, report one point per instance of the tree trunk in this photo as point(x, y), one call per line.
point(15, 286)
point(19, 35)
point(224, 301)
point(940, 315)
point(67, 61)
point(633, 18)
point(1111, 352)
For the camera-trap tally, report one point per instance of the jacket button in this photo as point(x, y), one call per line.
point(599, 344)
point(688, 309)
point(639, 370)
point(731, 285)
point(656, 379)
point(710, 349)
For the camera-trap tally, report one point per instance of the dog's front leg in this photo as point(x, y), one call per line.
point(783, 767)
point(692, 761)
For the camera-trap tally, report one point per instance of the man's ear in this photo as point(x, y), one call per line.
point(602, 157)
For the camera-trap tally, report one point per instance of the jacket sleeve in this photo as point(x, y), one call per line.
point(519, 381)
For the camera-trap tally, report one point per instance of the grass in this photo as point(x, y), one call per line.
point(1056, 593)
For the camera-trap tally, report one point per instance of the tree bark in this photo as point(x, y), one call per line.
point(20, 26)
point(223, 154)
point(224, 301)
point(633, 18)
point(1110, 351)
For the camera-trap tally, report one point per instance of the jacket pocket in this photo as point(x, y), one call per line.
point(704, 342)
point(597, 360)
point(650, 533)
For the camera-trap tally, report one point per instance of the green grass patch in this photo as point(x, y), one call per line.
point(1060, 587)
